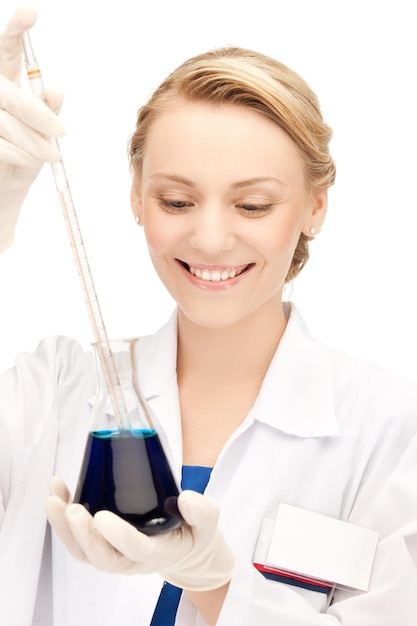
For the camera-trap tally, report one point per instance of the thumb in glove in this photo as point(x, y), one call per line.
point(11, 45)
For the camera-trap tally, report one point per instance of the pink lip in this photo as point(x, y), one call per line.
point(220, 285)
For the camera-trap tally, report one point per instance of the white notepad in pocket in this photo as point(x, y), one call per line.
point(322, 547)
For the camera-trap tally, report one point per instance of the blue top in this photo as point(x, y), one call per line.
point(194, 477)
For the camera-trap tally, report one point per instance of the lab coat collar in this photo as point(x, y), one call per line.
point(296, 396)
point(157, 359)
point(297, 393)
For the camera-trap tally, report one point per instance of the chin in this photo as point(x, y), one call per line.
point(212, 318)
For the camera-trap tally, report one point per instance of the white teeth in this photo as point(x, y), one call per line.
point(215, 275)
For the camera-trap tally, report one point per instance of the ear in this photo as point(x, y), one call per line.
point(136, 198)
point(317, 213)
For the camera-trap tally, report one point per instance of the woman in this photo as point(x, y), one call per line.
point(231, 168)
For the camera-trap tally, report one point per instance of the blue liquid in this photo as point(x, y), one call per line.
point(128, 474)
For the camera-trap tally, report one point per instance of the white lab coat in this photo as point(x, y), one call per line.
point(327, 432)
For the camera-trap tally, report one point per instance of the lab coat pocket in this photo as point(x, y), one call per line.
point(315, 551)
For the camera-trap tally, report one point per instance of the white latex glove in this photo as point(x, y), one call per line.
point(25, 123)
point(194, 557)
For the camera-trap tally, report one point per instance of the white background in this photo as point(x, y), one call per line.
point(358, 291)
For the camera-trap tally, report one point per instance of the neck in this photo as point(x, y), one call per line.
point(242, 350)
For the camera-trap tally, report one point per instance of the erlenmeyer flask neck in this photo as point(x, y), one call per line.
point(124, 397)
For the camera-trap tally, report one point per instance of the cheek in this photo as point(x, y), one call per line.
point(154, 239)
point(157, 234)
point(165, 240)
point(277, 242)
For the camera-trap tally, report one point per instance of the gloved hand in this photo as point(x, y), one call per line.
point(194, 557)
point(25, 123)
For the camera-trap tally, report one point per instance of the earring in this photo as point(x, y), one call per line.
point(137, 219)
point(312, 231)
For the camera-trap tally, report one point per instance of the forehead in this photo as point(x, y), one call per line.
point(234, 139)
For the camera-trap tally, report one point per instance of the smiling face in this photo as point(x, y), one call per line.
point(223, 199)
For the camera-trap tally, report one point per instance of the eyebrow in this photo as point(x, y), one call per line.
point(239, 185)
point(255, 181)
point(174, 178)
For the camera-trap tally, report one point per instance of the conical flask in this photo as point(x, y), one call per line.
point(125, 470)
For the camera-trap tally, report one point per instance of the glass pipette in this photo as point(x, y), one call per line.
point(77, 245)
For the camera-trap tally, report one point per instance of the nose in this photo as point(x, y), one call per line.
point(212, 231)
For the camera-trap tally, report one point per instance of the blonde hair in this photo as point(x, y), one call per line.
point(247, 78)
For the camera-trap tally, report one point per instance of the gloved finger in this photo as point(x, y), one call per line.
point(54, 99)
point(198, 510)
point(95, 547)
point(28, 140)
point(149, 553)
point(56, 512)
point(11, 45)
point(201, 514)
point(12, 155)
point(29, 109)
point(57, 487)
point(123, 536)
